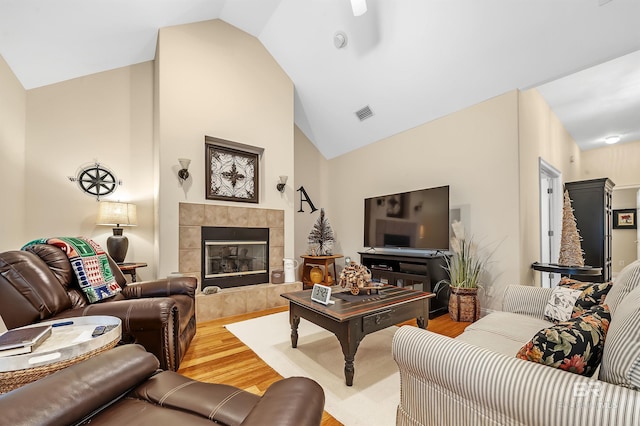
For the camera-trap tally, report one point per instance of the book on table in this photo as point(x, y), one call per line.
point(23, 340)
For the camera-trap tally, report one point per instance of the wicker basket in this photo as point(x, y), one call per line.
point(464, 304)
point(11, 380)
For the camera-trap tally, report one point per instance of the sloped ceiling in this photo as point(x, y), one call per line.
point(410, 61)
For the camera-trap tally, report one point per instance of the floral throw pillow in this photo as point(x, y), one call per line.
point(560, 304)
point(592, 294)
point(574, 345)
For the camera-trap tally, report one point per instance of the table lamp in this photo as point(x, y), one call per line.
point(118, 214)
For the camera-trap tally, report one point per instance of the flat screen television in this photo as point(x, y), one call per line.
point(410, 220)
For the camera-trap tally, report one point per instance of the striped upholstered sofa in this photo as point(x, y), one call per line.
point(476, 379)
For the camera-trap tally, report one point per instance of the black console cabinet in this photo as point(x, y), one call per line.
point(420, 272)
point(591, 202)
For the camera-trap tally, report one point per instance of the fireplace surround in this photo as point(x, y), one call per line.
point(236, 300)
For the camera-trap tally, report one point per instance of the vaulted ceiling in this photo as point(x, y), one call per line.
point(409, 61)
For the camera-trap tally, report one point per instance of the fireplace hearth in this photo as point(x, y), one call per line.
point(234, 256)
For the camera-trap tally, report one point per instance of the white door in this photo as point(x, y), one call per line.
point(550, 219)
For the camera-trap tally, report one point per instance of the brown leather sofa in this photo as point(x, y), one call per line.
point(123, 387)
point(39, 284)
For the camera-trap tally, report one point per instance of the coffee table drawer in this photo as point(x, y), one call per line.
point(378, 321)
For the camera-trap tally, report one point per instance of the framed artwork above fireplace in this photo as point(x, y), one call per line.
point(232, 171)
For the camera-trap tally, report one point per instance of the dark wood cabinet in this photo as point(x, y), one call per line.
point(591, 202)
point(420, 272)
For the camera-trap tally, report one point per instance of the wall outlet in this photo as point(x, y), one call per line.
point(621, 263)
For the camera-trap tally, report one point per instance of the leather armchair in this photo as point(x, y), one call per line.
point(122, 386)
point(39, 284)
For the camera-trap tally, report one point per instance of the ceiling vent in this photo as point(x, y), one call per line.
point(364, 113)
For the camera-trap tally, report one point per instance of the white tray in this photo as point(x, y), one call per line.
point(66, 342)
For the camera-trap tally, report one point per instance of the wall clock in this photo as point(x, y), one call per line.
point(96, 180)
point(232, 173)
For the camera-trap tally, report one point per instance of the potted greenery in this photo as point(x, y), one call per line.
point(464, 267)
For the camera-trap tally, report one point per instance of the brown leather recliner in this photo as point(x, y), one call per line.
point(123, 387)
point(39, 284)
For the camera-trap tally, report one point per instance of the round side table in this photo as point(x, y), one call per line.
point(70, 342)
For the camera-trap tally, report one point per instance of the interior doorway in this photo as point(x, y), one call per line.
point(550, 219)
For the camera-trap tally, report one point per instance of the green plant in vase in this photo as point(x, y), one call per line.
point(465, 267)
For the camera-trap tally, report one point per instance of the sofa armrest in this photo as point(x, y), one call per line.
point(526, 300)
point(296, 401)
point(161, 288)
point(151, 322)
point(302, 397)
point(474, 383)
point(135, 314)
point(73, 393)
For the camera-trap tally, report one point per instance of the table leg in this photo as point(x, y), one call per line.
point(423, 320)
point(294, 320)
point(134, 277)
point(349, 348)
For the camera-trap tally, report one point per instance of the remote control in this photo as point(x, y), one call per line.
point(98, 331)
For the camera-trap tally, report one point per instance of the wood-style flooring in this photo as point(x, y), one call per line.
point(217, 356)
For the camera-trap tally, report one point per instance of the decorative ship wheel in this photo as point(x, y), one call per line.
point(96, 180)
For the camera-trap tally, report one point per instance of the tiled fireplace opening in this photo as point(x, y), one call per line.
point(234, 257)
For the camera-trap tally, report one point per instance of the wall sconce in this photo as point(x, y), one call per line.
point(282, 183)
point(183, 173)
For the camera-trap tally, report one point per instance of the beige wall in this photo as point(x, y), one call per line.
point(311, 173)
point(620, 163)
point(623, 241)
point(541, 135)
point(216, 80)
point(13, 101)
point(105, 117)
point(474, 151)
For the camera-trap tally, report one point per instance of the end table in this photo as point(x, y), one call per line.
point(129, 268)
point(324, 261)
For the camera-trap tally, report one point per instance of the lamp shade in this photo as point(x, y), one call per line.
point(118, 214)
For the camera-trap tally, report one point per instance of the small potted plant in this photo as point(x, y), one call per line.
point(465, 267)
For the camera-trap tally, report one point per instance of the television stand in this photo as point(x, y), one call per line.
point(421, 271)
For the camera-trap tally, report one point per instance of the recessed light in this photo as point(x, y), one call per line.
point(610, 140)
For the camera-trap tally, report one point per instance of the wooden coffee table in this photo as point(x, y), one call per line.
point(352, 319)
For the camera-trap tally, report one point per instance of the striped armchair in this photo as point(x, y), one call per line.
point(475, 379)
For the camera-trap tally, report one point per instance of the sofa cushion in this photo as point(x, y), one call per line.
point(621, 356)
point(502, 332)
point(560, 304)
point(624, 283)
point(592, 294)
point(574, 345)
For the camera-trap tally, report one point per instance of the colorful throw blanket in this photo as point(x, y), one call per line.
point(90, 264)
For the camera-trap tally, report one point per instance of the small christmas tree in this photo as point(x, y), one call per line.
point(570, 249)
point(321, 237)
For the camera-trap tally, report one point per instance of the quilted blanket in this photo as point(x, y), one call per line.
point(90, 264)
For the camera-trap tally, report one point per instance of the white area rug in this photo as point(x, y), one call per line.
point(374, 396)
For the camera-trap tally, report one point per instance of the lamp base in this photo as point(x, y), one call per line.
point(117, 245)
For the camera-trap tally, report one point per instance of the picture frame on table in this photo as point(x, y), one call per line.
point(625, 219)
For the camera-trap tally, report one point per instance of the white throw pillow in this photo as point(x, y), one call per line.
point(560, 304)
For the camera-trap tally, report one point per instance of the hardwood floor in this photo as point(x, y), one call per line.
point(217, 356)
